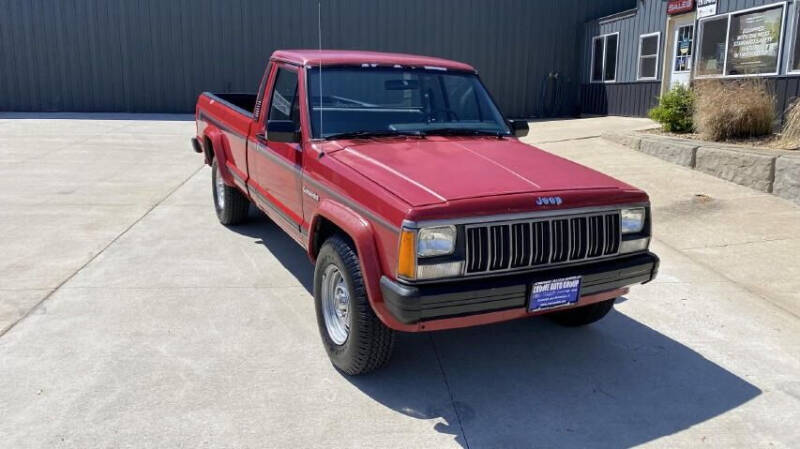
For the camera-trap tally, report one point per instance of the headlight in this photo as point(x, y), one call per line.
point(632, 220)
point(439, 241)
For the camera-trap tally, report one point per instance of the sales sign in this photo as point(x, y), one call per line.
point(679, 6)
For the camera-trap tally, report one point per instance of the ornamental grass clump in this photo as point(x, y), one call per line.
point(733, 109)
point(790, 135)
point(674, 110)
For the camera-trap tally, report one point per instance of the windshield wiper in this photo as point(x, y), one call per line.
point(464, 132)
point(384, 133)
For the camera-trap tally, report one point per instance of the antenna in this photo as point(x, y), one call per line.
point(319, 34)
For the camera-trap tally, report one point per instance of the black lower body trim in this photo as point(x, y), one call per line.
point(196, 145)
point(412, 304)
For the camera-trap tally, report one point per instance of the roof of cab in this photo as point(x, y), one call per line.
point(351, 57)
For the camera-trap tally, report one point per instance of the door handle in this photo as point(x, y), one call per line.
point(261, 137)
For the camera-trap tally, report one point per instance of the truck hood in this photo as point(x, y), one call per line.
point(441, 169)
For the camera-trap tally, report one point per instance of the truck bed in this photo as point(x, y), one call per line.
point(240, 102)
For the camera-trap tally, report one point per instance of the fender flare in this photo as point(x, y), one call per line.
point(362, 233)
point(218, 141)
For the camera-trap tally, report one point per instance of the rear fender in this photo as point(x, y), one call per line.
point(217, 140)
point(362, 233)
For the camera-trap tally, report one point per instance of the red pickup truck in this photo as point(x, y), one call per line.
point(416, 201)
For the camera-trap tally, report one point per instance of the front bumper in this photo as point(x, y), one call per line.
point(414, 304)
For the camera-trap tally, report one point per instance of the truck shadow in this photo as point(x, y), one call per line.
point(530, 383)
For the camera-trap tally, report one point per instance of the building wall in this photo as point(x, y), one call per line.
point(626, 96)
point(157, 55)
point(630, 97)
point(650, 16)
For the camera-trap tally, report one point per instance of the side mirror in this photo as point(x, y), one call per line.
point(282, 131)
point(519, 127)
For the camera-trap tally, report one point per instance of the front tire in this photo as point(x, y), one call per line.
point(354, 338)
point(230, 204)
point(581, 316)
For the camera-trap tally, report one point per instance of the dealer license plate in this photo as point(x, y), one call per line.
point(555, 293)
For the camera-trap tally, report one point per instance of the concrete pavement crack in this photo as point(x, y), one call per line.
point(449, 391)
point(92, 259)
point(730, 245)
point(565, 140)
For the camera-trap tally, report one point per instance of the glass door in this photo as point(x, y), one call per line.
point(682, 59)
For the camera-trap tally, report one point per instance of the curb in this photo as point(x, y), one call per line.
point(772, 171)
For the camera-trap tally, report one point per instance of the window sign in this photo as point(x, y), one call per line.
point(754, 42)
point(711, 50)
point(706, 8)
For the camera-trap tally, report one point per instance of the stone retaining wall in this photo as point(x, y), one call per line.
point(772, 171)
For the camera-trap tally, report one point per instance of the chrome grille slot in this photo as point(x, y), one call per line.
point(520, 244)
point(478, 245)
point(613, 235)
point(500, 242)
point(596, 227)
point(577, 236)
point(541, 242)
point(560, 229)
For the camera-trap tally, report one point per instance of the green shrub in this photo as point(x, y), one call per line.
point(733, 109)
point(675, 110)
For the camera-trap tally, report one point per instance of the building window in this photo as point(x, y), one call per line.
point(795, 63)
point(648, 56)
point(597, 59)
point(711, 49)
point(741, 43)
point(604, 58)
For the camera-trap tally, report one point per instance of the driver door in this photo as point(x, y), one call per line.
point(276, 165)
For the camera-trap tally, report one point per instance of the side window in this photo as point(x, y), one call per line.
point(284, 104)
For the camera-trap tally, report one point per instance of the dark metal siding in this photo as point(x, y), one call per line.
point(157, 56)
point(627, 99)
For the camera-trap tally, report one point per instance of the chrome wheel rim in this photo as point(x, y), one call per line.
point(335, 304)
point(219, 185)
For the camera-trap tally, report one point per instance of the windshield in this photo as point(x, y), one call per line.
point(388, 101)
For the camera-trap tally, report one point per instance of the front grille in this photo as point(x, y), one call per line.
point(493, 247)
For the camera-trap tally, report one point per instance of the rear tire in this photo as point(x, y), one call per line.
point(354, 338)
point(231, 205)
point(581, 316)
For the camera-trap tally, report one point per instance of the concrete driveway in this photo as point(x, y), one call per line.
point(131, 318)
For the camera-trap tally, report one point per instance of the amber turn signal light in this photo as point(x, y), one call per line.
point(406, 255)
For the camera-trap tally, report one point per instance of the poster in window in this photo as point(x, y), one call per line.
point(754, 42)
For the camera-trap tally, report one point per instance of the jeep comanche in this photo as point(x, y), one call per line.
point(416, 200)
